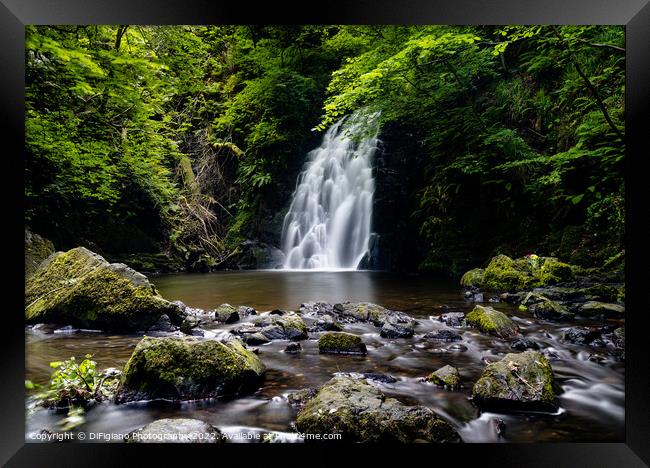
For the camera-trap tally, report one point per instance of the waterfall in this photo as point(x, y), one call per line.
point(328, 223)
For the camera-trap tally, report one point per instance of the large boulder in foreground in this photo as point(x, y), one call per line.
point(81, 288)
point(177, 430)
point(188, 368)
point(491, 321)
point(37, 249)
point(360, 412)
point(519, 381)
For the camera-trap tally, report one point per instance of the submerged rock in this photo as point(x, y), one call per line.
point(293, 348)
point(443, 335)
point(523, 344)
point(447, 376)
point(177, 430)
point(491, 321)
point(341, 343)
point(188, 368)
point(519, 381)
point(81, 288)
point(360, 412)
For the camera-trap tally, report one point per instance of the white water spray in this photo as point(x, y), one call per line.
point(328, 223)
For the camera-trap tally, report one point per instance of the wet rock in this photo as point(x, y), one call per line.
point(453, 319)
point(508, 275)
point(341, 343)
point(293, 348)
point(226, 313)
point(519, 381)
point(593, 308)
point(581, 335)
point(491, 321)
point(550, 310)
point(398, 327)
point(255, 339)
point(523, 344)
point(473, 278)
point(188, 368)
point(360, 412)
point(499, 426)
point(245, 311)
point(190, 323)
point(197, 332)
point(81, 288)
point(68, 329)
point(316, 309)
point(299, 398)
point(443, 335)
point(369, 312)
point(164, 324)
point(618, 337)
point(177, 430)
point(284, 326)
point(326, 324)
point(447, 376)
point(378, 377)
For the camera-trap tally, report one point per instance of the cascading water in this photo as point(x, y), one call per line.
point(328, 223)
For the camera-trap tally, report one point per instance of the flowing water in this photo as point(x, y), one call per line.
point(328, 223)
point(592, 398)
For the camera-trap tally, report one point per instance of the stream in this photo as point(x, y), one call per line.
point(591, 402)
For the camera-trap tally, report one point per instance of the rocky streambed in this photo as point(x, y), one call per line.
point(409, 359)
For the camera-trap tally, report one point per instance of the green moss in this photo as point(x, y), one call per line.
point(519, 380)
point(505, 274)
point(553, 271)
point(447, 376)
point(81, 288)
point(226, 313)
point(492, 322)
point(188, 368)
point(37, 249)
point(363, 311)
point(341, 343)
point(473, 278)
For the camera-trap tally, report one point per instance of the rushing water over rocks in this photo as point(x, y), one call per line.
point(591, 381)
point(328, 223)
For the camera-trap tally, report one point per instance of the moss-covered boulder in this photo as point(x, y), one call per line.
point(177, 430)
point(519, 381)
point(362, 312)
point(473, 278)
point(491, 321)
point(37, 249)
point(79, 287)
point(341, 343)
point(188, 368)
point(360, 412)
point(447, 376)
point(505, 274)
point(226, 313)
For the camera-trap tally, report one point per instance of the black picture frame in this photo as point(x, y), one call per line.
point(634, 14)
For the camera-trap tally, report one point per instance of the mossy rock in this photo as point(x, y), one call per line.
point(519, 381)
point(550, 310)
point(491, 321)
point(473, 278)
point(363, 312)
point(79, 287)
point(37, 249)
point(360, 412)
point(177, 430)
point(447, 376)
point(595, 308)
point(188, 368)
point(505, 274)
point(341, 343)
point(226, 313)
